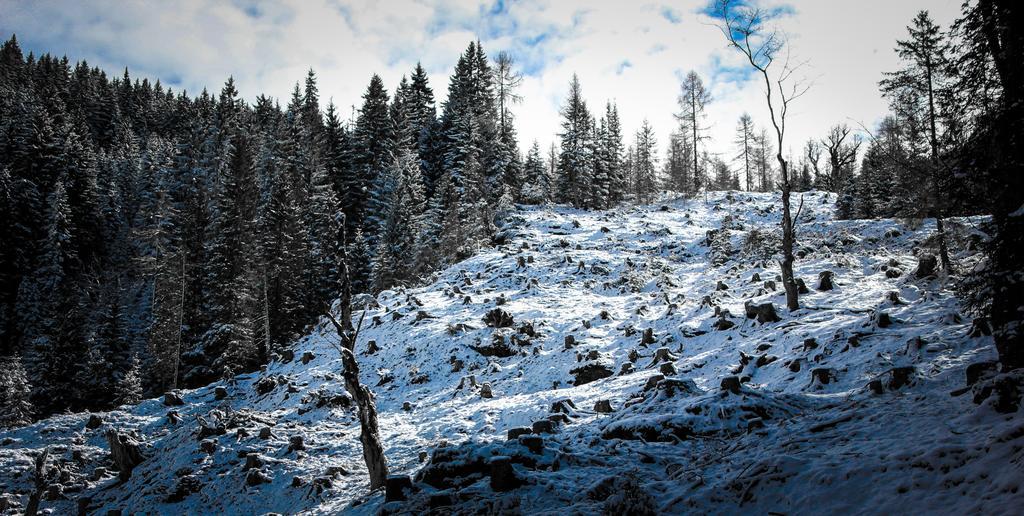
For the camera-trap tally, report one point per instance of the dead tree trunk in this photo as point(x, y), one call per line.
point(39, 483)
point(125, 453)
point(369, 436)
point(788, 238)
point(743, 28)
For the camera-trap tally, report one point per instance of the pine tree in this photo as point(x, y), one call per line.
point(745, 149)
point(129, 386)
point(645, 163)
point(917, 92)
point(15, 403)
point(678, 164)
point(372, 137)
point(535, 187)
point(575, 162)
point(612, 148)
point(395, 261)
point(51, 312)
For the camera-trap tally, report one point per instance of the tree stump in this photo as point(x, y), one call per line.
point(503, 476)
point(825, 280)
point(648, 337)
point(926, 264)
point(125, 453)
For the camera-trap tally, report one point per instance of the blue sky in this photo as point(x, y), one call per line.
point(631, 52)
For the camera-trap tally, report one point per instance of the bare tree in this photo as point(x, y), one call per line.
point(743, 27)
point(842, 154)
point(693, 98)
point(812, 151)
point(369, 435)
point(506, 81)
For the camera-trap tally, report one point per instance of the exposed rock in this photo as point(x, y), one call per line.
point(590, 372)
point(498, 318)
point(603, 406)
point(825, 280)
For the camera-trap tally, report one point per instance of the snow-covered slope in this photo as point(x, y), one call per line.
point(803, 433)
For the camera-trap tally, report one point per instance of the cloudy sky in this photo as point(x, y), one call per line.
point(631, 52)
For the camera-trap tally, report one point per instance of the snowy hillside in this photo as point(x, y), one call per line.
point(842, 406)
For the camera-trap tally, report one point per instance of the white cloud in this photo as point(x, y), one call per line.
point(631, 53)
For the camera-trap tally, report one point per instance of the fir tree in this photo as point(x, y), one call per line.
point(15, 403)
point(575, 162)
point(129, 387)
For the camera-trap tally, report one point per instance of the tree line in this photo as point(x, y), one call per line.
point(155, 240)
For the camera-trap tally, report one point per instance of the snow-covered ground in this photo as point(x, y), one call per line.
point(803, 434)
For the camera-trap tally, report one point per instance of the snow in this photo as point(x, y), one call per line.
point(784, 442)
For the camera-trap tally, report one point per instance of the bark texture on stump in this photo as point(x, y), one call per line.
point(125, 452)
